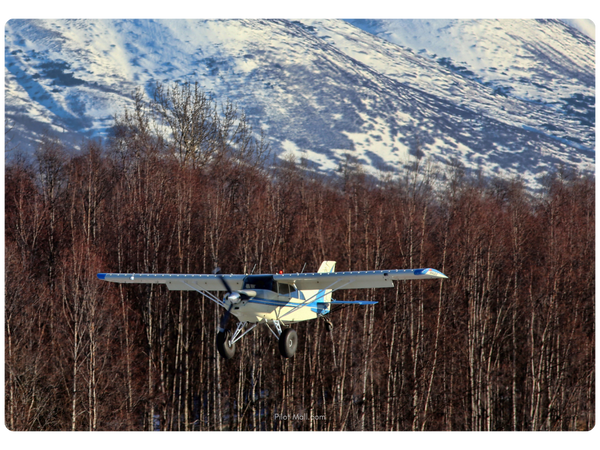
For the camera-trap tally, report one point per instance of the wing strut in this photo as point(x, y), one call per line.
point(206, 294)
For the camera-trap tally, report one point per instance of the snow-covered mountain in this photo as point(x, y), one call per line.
point(508, 97)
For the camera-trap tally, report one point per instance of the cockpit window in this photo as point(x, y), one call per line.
point(259, 282)
point(285, 288)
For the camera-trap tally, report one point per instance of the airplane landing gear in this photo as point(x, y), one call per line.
point(226, 339)
point(288, 343)
point(328, 325)
point(225, 344)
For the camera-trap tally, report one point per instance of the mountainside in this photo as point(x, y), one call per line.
point(509, 97)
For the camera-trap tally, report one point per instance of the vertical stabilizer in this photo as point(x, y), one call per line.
point(327, 267)
point(324, 295)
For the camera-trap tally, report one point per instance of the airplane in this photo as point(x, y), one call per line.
point(275, 300)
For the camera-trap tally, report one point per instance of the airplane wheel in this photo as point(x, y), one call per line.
point(288, 343)
point(328, 325)
point(225, 348)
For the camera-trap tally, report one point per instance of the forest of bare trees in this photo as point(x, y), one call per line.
point(507, 342)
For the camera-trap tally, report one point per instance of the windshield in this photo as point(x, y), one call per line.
point(259, 282)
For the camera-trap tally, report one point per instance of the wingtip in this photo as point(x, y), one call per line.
point(430, 272)
point(439, 274)
point(101, 276)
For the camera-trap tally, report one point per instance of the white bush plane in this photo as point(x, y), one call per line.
point(277, 300)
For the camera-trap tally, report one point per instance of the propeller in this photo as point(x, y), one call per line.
point(225, 318)
point(217, 272)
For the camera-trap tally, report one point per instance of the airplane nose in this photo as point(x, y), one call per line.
point(234, 297)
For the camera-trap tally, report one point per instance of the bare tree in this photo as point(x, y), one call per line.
point(202, 132)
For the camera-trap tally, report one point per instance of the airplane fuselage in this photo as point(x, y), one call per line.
point(256, 305)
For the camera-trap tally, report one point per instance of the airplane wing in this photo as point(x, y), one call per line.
point(356, 280)
point(302, 281)
point(178, 282)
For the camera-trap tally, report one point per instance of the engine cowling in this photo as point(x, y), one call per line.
point(234, 298)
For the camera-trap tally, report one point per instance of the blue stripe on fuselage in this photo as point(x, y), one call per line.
point(271, 302)
point(314, 305)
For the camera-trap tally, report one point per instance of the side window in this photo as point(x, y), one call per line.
point(285, 288)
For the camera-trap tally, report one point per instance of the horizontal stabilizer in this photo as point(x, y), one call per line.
point(352, 302)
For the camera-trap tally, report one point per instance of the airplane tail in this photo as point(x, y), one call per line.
point(327, 267)
point(324, 295)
